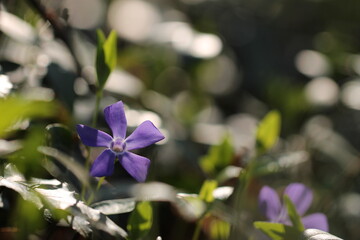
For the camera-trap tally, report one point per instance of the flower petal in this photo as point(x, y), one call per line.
point(300, 195)
point(269, 203)
point(317, 221)
point(115, 118)
point(93, 137)
point(137, 166)
point(103, 164)
point(144, 135)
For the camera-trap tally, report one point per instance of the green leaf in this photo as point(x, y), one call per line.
point(68, 162)
point(60, 201)
point(219, 157)
point(14, 110)
point(294, 216)
point(140, 220)
point(28, 159)
point(219, 229)
point(110, 50)
point(268, 131)
point(206, 191)
point(106, 56)
point(278, 231)
point(27, 218)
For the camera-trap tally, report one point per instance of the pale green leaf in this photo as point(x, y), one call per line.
point(206, 191)
point(268, 131)
point(110, 49)
point(219, 157)
point(106, 56)
point(14, 110)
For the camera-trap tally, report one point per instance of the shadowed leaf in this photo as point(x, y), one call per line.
point(140, 220)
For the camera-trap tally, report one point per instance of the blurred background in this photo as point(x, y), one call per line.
point(201, 70)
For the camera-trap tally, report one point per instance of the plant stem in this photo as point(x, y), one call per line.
point(99, 94)
point(197, 229)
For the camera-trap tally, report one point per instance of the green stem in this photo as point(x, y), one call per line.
point(91, 198)
point(198, 229)
point(99, 94)
point(238, 203)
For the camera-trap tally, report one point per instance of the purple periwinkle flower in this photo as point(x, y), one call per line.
point(118, 146)
point(301, 196)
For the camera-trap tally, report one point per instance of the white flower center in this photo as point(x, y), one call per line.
point(118, 145)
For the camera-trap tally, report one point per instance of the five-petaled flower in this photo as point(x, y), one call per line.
point(118, 145)
point(301, 196)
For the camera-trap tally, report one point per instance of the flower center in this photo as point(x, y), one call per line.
point(118, 145)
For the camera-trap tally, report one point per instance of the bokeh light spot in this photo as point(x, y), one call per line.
point(312, 63)
point(322, 91)
point(133, 20)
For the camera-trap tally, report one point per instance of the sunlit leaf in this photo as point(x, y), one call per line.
point(228, 173)
point(7, 147)
point(105, 57)
point(17, 28)
point(206, 191)
point(154, 191)
point(140, 220)
point(278, 231)
point(115, 206)
point(268, 131)
point(223, 192)
point(189, 206)
point(89, 218)
point(219, 157)
point(110, 50)
point(269, 165)
point(293, 215)
point(82, 218)
point(14, 180)
point(315, 234)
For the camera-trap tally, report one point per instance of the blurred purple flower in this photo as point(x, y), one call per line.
point(301, 196)
point(117, 146)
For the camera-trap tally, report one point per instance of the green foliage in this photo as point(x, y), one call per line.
point(294, 216)
point(28, 159)
point(140, 220)
point(16, 109)
point(219, 157)
point(268, 131)
point(219, 229)
point(106, 56)
point(278, 231)
point(206, 191)
point(28, 218)
point(60, 202)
